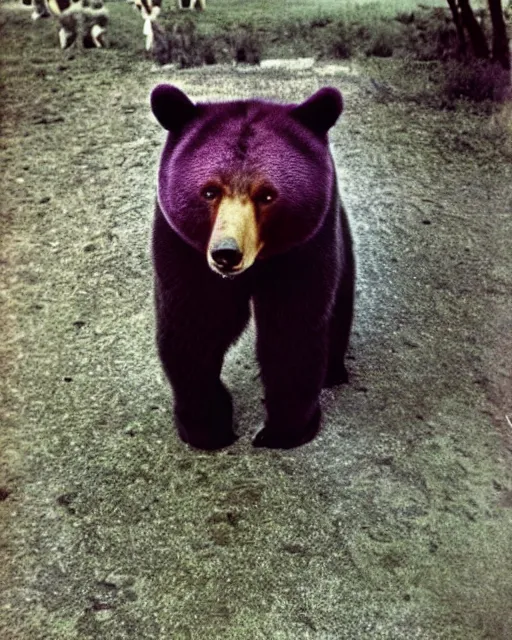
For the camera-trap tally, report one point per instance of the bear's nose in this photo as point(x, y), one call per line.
point(226, 254)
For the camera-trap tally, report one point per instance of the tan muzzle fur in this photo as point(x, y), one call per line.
point(235, 219)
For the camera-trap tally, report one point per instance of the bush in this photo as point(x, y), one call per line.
point(476, 80)
point(184, 43)
point(336, 41)
point(187, 47)
point(381, 46)
point(432, 35)
point(245, 45)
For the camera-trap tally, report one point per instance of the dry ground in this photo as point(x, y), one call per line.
point(394, 523)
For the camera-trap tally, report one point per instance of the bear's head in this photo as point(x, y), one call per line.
point(245, 180)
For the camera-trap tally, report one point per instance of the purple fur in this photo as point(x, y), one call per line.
point(301, 283)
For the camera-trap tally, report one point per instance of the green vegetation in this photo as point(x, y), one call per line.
point(320, 28)
point(325, 29)
point(248, 31)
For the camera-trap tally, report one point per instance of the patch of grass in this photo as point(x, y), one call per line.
point(230, 30)
point(125, 27)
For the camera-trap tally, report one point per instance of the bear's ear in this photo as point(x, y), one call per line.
point(321, 111)
point(171, 107)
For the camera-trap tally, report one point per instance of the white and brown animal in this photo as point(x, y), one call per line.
point(39, 9)
point(199, 5)
point(81, 22)
point(149, 10)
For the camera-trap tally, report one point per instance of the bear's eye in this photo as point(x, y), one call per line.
point(211, 192)
point(265, 196)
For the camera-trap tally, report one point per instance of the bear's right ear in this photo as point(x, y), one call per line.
point(171, 107)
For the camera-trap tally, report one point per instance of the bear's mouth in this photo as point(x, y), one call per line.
point(221, 265)
point(228, 275)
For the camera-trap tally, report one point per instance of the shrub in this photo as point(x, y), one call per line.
point(381, 46)
point(476, 80)
point(184, 43)
point(245, 45)
point(337, 41)
point(209, 54)
point(432, 35)
point(186, 47)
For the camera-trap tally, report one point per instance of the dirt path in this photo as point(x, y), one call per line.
point(395, 523)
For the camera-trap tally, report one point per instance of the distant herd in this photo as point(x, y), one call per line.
point(84, 23)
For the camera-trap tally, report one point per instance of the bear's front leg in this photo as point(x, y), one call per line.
point(198, 316)
point(202, 405)
point(292, 352)
point(193, 334)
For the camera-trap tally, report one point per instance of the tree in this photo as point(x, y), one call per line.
point(466, 22)
point(458, 25)
point(475, 32)
point(500, 44)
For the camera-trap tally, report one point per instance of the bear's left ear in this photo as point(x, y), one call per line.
point(321, 111)
point(172, 108)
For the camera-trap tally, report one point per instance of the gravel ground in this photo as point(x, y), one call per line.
point(394, 523)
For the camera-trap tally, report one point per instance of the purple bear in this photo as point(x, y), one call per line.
point(248, 209)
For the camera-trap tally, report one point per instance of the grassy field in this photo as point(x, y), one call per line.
point(250, 30)
point(253, 30)
point(368, 32)
point(269, 11)
point(290, 21)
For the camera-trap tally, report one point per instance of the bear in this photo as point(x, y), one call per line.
point(248, 214)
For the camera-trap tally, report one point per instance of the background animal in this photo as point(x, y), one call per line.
point(199, 5)
point(81, 22)
point(149, 10)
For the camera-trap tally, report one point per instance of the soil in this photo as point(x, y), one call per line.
point(394, 523)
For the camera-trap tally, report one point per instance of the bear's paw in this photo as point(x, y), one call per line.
point(275, 438)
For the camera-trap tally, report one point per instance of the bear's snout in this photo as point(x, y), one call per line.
point(234, 242)
point(226, 254)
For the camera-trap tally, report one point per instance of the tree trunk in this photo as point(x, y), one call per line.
point(500, 45)
point(458, 25)
point(476, 35)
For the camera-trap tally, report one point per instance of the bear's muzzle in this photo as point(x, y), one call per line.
point(234, 241)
